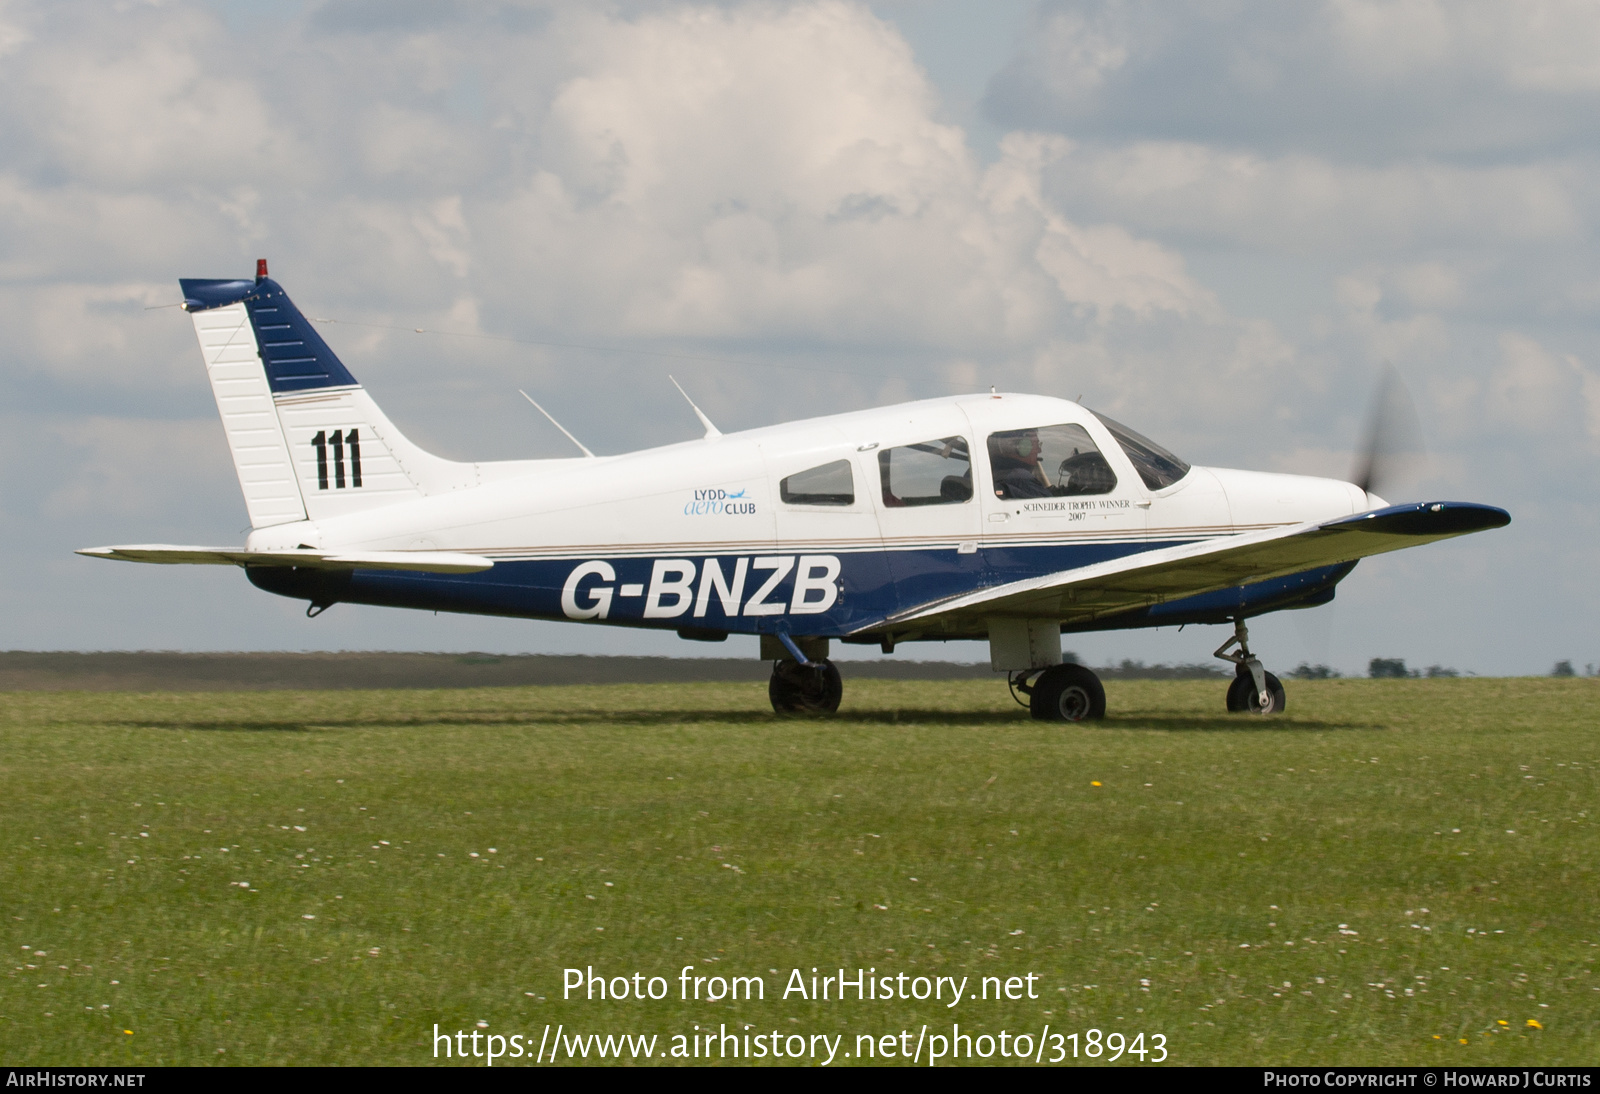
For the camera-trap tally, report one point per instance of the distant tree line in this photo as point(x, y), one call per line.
point(1129, 669)
point(1379, 668)
point(1394, 668)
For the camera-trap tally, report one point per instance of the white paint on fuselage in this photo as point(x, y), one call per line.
point(721, 495)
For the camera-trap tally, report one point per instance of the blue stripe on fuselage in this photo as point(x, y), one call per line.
point(870, 587)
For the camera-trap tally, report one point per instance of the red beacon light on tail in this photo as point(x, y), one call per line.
point(261, 269)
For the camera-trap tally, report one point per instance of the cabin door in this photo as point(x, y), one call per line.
point(824, 514)
point(1055, 502)
point(929, 515)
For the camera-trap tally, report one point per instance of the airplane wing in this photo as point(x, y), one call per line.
point(1173, 573)
point(431, 562)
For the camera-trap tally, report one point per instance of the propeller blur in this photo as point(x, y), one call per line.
point(1392, 445)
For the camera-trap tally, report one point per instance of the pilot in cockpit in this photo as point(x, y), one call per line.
point(1015, 460)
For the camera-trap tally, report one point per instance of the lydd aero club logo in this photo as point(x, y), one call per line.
point(718, 502)
point(682, 585)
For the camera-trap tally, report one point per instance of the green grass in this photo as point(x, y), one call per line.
point(1217, 860)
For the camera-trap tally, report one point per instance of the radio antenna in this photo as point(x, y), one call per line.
point(557, 424)
point(711, 430)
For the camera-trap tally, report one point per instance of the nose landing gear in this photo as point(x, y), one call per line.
point(1254, 690)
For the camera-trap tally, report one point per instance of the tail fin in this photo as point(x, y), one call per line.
point(308, 442)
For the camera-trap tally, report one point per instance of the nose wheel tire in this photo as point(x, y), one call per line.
point(1067, 693)
point(805, 689)
point(1244, 699)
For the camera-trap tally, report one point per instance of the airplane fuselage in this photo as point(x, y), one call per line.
point(805, 528)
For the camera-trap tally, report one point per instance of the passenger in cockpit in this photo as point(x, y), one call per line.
point(1014, 459)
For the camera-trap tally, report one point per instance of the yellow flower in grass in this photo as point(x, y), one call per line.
point(1463, 1040)
point(1502, 1022)
point(1533, 1023)
point(1094, 784)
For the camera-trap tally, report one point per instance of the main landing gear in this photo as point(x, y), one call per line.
point(1254, 690)
point(1061, 693)
point(804, 685)
point(813, 688)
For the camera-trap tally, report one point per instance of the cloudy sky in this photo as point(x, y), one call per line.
point(1213, 220)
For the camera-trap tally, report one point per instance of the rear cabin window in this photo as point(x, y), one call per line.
point(931, 473)
point(1156, 466)
point(1048, 461)
point(829, 484)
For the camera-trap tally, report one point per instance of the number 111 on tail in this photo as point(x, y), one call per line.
point(338, 442)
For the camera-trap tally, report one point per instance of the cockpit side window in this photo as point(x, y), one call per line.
point(1156, 466)
point(931, 473)
point(829, 484)
point(1048, 461)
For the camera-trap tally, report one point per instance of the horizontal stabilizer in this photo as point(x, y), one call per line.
point(430, 562)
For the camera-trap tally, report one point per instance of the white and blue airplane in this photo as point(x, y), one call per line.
point(1006, 517)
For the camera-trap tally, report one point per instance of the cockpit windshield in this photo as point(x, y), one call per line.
point(1156, 466)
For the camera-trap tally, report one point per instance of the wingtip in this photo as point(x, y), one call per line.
point(1430, 518)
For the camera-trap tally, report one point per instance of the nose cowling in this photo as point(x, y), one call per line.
point(1263, 499)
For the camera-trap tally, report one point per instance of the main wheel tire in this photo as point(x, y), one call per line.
point(798, 689)
point(1244, 699)
point(1240, 688)
point(1068, 693)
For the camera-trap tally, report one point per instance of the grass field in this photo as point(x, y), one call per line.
point(1394, 872)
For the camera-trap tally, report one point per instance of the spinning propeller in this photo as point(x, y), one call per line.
point(1393, 442)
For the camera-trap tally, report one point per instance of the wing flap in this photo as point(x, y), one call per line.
point(432, 562)
point(1192, 569)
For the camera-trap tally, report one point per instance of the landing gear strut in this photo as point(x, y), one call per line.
point(1254, 690)
point(1062, 693)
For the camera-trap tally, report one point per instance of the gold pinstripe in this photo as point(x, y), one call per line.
point(859, 544)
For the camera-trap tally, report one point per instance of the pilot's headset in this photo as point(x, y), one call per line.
point(1017, 446)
